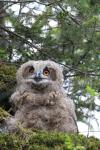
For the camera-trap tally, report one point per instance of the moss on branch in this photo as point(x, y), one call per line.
point(7, 77)
point(41, 140)
point(3, 114)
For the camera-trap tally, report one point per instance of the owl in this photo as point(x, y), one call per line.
point(40, 101)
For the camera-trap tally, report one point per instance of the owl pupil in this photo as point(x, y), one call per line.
point(46, 71)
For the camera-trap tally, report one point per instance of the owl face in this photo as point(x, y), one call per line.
point(40, 73)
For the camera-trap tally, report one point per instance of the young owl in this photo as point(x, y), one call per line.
point(40, 101)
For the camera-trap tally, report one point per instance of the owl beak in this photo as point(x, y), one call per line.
point(38, 77)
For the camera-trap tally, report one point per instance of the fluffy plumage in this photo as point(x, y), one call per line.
point(42, 104)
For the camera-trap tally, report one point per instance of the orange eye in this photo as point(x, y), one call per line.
point(31, 70)
point(46, 72)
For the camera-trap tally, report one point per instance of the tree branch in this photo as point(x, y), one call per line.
point(73, 18)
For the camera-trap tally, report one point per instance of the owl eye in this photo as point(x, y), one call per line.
point(46, 72)
point(31, 69)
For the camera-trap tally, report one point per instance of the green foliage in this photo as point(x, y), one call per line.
point(2, 54)
point(91, 91)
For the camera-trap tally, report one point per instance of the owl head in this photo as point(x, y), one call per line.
point(40, 73)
